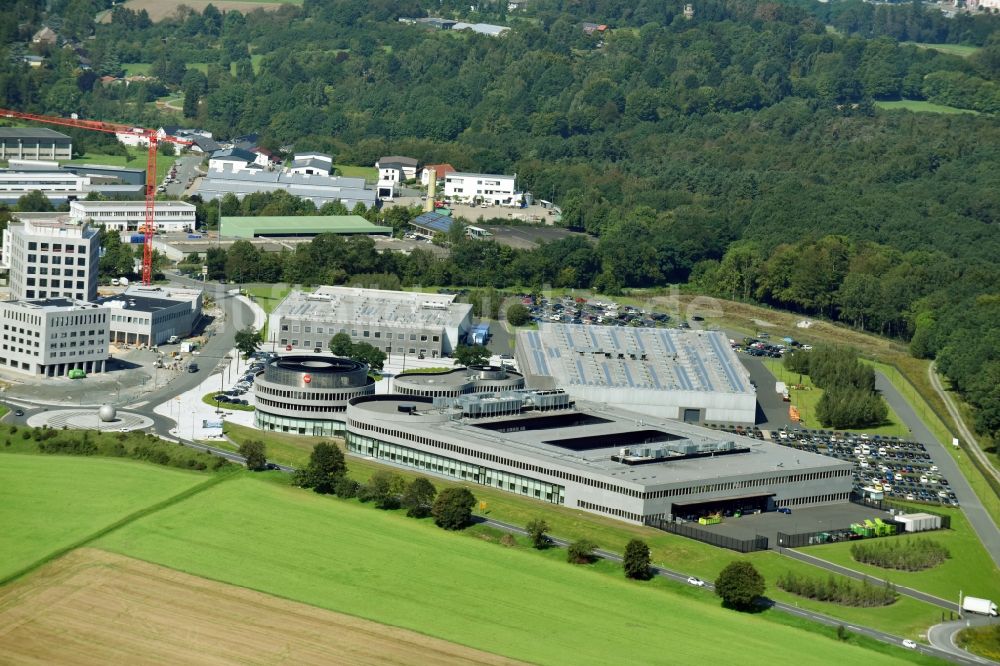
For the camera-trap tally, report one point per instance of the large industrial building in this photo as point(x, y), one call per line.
point(151, 315)
point(169, 216)
point(691, 376)
point(34, 143)
point(397, 322)
point(50, 255)
point(612, 462)
point(66, 183)
point(50, 337)
point(308, 394)
point(460, 381)
point(299, 225)
point(316, 188)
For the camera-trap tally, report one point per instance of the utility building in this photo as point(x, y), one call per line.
point(34, 143)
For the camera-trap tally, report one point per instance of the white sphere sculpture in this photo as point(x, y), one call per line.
point(107, 413)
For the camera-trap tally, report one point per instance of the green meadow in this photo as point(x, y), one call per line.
point(395, 570)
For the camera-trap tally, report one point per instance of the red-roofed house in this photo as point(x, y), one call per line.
point(441, 170)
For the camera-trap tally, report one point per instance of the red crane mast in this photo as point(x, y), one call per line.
point(152, 140)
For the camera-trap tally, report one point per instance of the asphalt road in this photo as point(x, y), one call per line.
point(981, 521)
point(186, 170)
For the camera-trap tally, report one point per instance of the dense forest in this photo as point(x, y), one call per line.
point(740, 150)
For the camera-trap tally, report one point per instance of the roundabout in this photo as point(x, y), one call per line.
point(104, 418)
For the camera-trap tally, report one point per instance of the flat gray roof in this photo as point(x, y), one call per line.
point(442, 424)
point(632, 357)
point(374, 307)
point(31, 133)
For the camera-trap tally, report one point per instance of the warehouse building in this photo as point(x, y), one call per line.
point(299, 225)
point(50, 255)
point(168, 216)
point(68, 182)
point(308, 395)
point(50, 337)
point(34, 143)
point(691, 376)
point(622, 464)
point(460, 381)
point(397, 322)
point(149, 316)
point(316, 188)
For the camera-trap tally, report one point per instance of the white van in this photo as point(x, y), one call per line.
point(173, 339)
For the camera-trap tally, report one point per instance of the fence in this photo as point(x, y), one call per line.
point(707, 536)
point(802, 539)
point(886, 505)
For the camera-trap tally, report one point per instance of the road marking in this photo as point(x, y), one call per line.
point(136, 405)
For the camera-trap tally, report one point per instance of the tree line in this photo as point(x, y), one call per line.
point(849, 397)
point(842, 591)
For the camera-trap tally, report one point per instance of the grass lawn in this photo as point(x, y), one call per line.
point(907, 617)
point(51, 502)
point(391, 569)
point(921, 106)
point(807, 399)
point(970, 568)
point(951, 49)
point(138, 161)
point(984, 641)
point(268, 296)
point(368, 173)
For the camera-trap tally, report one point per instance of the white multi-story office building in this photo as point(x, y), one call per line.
point(51, 256)
point(482, 187)
point(397, 322)
point(50, 337)
point(152, 315)
point(131, 215)
point(53, 184)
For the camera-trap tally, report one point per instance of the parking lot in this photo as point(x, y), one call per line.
point(897, 468)
point(240, 392)
point(569, 310)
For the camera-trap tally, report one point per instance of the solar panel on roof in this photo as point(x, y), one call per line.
point(579, 367)
point(699, 368)
point(628, 376)
point(734, 379)
point(656, 379)
point(667, 342)
point(607, 373)
point(682, 377)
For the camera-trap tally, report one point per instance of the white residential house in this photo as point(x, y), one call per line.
point(311, 164)
point(482, 188)
point(233, 160)
point(407, 164)
point(441, 172)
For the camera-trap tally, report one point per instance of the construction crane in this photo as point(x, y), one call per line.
point(152, 140)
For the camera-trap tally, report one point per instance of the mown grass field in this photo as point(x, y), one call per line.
point(268, 296)
point(970, 568)
point(806, 400)
point(383, 566)
point(906, 617)
point(368, 173)
point(50, 502)
point(920, 106)
point(951, 49)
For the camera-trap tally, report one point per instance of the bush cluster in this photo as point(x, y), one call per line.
point(839, 590)
point(139, 446)
point(849, 397)
point(905, 555)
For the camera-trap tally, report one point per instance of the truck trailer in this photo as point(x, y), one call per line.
point(979, 606)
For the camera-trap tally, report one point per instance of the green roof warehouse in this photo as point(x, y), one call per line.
point(299, 225)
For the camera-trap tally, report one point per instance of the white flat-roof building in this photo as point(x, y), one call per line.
point(482, 187)
point(407, 164)
point(311, 164)
point(397, 322)
point(152, 315)
point(50, 337)
point(692, 376)
point(60, 183)
point(131, 215)
point(613, 462)
point(36, 143)
point(50, 255)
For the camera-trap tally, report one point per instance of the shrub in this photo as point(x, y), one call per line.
point(581, 551)
point(254, 453)
point(842, 591)
point(346, 488)
point(740, 585)
point(384, 489)
point(419, 498)
point(903, 554)
point(508, 540)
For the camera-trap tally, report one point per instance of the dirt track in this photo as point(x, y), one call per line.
point(94, 607)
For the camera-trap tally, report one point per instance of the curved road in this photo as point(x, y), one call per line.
point(942, 636)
